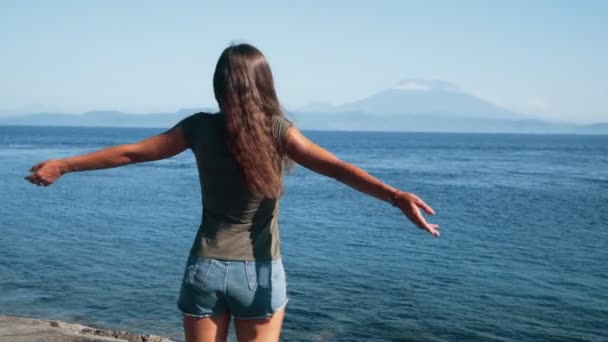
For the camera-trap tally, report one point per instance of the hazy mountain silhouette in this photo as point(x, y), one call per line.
point(103, 118)
point(421, 97)
point(428, 97)
point(410, 105)
point(428, 105)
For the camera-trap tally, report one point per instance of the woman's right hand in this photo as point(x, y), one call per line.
point(46, 172)
point(160, 146)
point(410, 205)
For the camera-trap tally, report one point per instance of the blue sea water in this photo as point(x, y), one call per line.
point(523, 253)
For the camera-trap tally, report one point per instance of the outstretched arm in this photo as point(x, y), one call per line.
point(314, 157)
point(160, 146)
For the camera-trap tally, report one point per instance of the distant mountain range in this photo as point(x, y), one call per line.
point(429, 106)
point(410, 105)
point(102, 118)
point(421, 97)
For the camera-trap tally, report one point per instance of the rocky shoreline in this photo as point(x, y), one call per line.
point(23, 329)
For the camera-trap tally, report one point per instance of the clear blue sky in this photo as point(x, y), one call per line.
point(548, 58)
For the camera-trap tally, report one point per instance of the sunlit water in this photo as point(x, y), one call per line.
point(522, 255)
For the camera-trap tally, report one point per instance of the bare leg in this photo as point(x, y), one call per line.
point(260, 330)
point(208, 329)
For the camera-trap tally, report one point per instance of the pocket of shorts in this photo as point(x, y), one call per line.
point(197, 274)
point(258, 274)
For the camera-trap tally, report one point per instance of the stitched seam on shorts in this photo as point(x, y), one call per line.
point(251, 276)
point(204, 282)
point(226, 277)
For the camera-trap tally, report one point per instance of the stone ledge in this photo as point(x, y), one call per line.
point(22, 329)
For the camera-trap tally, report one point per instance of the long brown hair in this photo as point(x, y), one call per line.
point(244, 90)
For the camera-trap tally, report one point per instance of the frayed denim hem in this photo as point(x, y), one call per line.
point(201, 316)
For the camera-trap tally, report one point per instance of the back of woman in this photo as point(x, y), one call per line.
point(237, 224)
point(235, 269)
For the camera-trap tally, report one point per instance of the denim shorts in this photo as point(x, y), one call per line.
point(245, 289)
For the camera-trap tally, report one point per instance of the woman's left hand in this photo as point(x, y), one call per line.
point(410, 205)
point(46, 172)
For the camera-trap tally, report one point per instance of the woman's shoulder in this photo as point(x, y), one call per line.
point(198, 118)
point(281, 120)
point(280, 124)
point(196, 125)
point(204, 115)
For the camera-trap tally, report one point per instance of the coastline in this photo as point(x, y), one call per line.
point(26, 329)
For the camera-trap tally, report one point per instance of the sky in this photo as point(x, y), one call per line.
point(544, 58)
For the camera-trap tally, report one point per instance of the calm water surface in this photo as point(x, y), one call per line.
point(522, 255)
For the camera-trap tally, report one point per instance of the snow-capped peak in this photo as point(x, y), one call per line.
point(425, 85)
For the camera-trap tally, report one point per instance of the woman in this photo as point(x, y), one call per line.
point(235, 268)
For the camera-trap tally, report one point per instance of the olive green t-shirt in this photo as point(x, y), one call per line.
point(236, 224)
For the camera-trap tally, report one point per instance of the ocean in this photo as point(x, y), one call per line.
point(522, 256)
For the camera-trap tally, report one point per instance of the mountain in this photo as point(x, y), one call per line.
point(103, 118)
point(428, 105)
point(421, 97)
point(410, 105)
point(360, 121)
